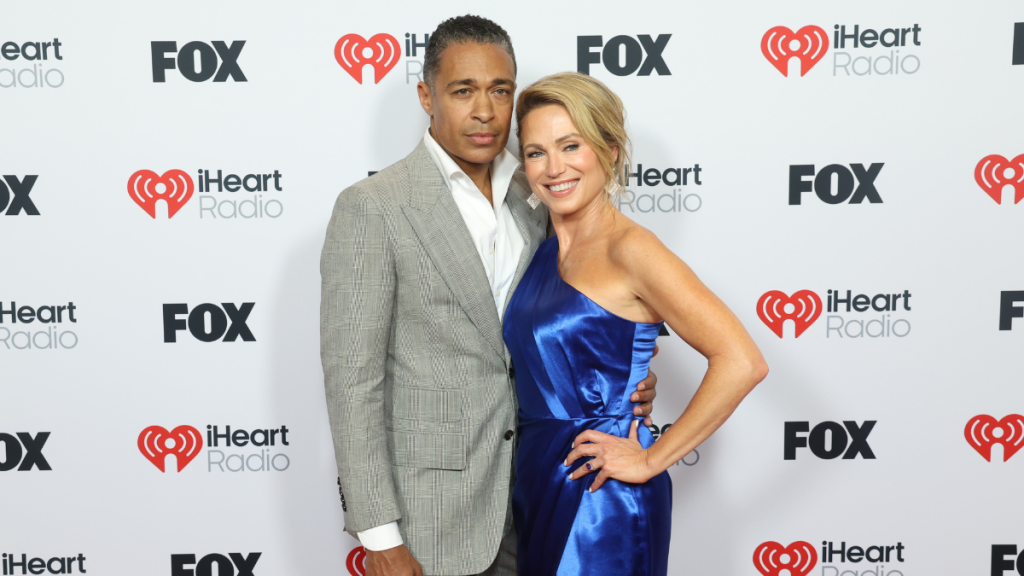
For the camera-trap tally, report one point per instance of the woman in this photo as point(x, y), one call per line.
point(592, 495)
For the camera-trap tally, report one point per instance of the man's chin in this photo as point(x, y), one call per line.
point(480, 155)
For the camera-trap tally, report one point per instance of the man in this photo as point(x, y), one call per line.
point(419, 263)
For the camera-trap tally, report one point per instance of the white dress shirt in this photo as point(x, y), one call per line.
point(498, 241)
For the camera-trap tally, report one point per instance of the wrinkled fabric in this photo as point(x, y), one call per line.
point(576, 366)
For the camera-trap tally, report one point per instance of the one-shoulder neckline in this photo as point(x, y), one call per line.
point(558, 275)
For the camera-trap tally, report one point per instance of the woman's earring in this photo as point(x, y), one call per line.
point(612, 188)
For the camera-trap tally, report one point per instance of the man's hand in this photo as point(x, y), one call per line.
point(645, 394)
point(397, 561)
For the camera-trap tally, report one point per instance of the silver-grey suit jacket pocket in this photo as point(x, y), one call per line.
point(435, 450)
point(423, 405)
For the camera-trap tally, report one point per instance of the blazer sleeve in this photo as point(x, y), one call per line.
point(356, 307)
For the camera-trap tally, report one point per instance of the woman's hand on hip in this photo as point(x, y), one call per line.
point(623, 459)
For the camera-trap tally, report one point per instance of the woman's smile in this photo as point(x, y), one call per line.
point(563, 188)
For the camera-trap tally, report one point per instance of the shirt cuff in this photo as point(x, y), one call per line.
point(381, 537)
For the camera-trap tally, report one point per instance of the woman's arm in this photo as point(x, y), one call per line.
point(668, 286)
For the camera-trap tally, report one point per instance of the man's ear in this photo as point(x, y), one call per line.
point(426, 98)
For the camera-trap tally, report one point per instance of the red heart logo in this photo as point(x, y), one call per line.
point(771, 309)
point(381, 51)
point(356, 562)
point(175, 187)
point(156, 443)
point(981, 434)
point(809, 44)
point(994, 172)
point(768, 558)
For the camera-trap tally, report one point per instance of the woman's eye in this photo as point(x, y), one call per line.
point(533, 154)
point(572, 147)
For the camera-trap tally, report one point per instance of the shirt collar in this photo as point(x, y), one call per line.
point(503, 168)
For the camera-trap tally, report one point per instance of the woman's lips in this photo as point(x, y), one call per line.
point(563, 188)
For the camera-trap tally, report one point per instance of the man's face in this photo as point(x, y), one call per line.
point(471, 103)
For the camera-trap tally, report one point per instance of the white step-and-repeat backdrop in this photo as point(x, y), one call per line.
point(846, 176)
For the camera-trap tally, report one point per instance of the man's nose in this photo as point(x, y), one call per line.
point(483, 109)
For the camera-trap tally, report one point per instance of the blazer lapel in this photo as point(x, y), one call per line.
point(532, 223)
point(438, 223)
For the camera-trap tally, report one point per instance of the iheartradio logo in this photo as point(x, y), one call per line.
point(156, 443)
point(994, 172)
point(771, 558)
point(775, 307)
point(356, 562)
point(381, 51)
point(809, 44)
point(175, 188)
point(983, 431)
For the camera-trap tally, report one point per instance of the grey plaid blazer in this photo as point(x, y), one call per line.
point(419, 383)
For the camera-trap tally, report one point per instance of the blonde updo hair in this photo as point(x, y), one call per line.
point(597, 112)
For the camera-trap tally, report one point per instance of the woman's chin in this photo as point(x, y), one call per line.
point(561, 206)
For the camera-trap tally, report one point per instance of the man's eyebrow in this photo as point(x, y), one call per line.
point(472, 83)
point(463, 82)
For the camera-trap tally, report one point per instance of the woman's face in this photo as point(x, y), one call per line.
point(564, 172)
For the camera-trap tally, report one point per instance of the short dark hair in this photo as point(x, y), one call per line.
point(462, 30)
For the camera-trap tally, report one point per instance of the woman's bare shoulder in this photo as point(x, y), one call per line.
point(634, 247)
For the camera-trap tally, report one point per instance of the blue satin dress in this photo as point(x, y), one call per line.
point(576, 366)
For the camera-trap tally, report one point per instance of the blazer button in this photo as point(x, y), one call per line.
point(509, 434)
point(511, 372)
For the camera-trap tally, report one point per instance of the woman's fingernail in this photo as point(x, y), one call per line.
point(573, 444)
point(566, 462)
point(591, 489)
